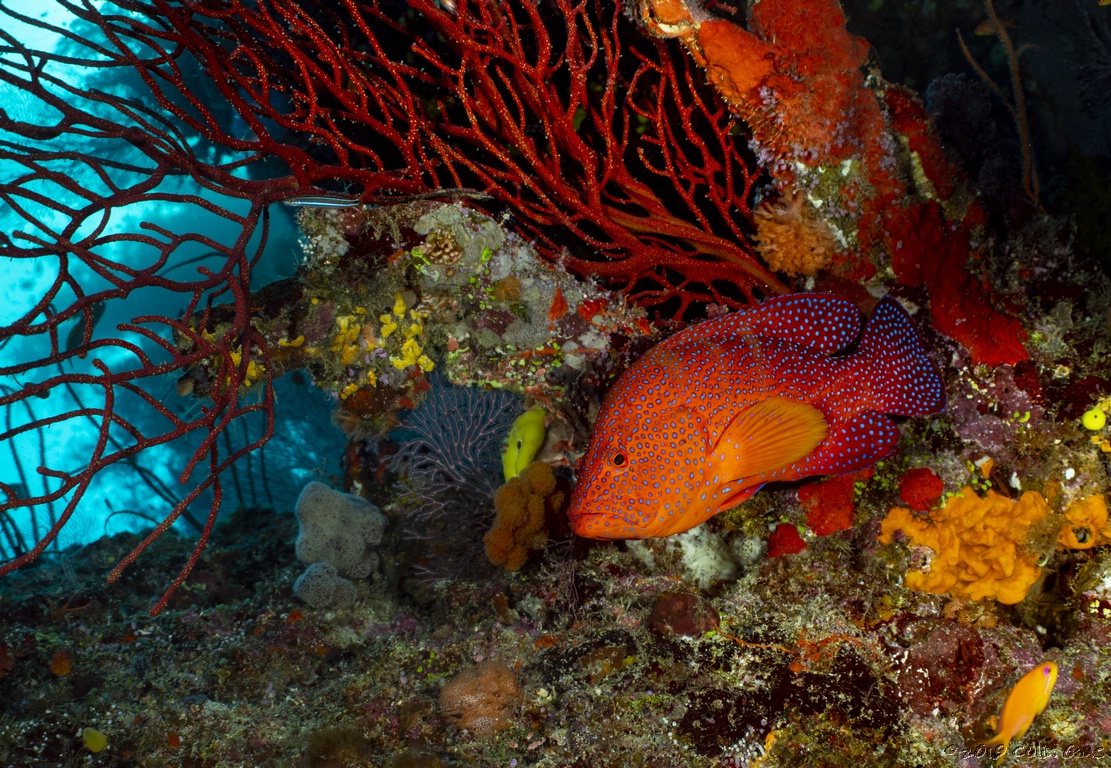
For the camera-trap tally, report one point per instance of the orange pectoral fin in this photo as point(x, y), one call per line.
point(770, 435)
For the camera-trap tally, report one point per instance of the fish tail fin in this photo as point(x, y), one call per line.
point(905, 381)
point(999, 740)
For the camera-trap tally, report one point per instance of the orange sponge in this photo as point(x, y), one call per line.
point(978, 545)
point(1085, 524)
point(480, 699)
point(524, 507)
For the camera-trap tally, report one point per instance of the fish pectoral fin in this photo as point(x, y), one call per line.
point(772, 434)
point(738, 497)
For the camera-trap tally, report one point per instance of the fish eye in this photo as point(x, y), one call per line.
point(619, 459)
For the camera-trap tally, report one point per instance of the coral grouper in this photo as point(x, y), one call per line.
point(706, 417)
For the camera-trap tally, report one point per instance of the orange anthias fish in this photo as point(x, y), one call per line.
point(1025, 702)
point(706, 417)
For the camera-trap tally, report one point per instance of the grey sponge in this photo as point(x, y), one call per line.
point(322, 587)
point(339, 529)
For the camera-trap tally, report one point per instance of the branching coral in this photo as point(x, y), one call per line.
point(642, 184)
point(979, 545)
point(604, 146)
point(795, 77)
point(452, 441)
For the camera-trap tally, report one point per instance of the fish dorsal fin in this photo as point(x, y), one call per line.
point(821, 322)
point(771, 434)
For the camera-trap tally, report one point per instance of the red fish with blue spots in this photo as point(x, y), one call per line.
point(708, 416)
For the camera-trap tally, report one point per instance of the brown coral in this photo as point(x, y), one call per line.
point(477, 699)
point(792, 237)
point(524, 505)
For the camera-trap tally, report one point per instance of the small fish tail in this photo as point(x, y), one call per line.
point(904, 379)
point(999, 740)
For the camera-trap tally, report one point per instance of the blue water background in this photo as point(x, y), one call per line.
point(306, 445)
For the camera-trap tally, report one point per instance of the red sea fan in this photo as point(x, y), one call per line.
point(597, 139)
point(600, 143)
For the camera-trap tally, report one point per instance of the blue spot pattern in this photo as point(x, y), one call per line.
point(657, 464)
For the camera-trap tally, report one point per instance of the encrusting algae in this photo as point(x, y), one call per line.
point(978, 545)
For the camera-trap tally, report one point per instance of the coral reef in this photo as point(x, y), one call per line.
point(453, 295)
point(860, 619)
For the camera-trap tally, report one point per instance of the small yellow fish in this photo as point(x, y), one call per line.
point(1025, 702)
point(526, 437)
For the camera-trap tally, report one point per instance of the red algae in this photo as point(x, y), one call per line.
point(920, 488)
point(785, 540)
point(829, 504)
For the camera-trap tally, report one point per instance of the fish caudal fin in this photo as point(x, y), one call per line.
point(903, 379)
point(771, 434)
point(999, 740)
